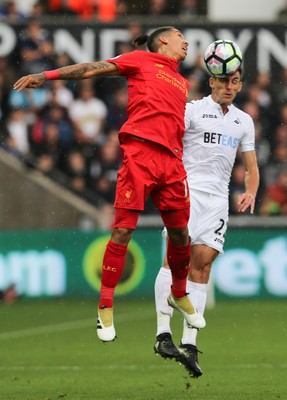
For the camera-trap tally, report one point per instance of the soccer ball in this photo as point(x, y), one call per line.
point(222, 57)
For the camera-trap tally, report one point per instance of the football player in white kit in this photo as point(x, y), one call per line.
point(215, 129)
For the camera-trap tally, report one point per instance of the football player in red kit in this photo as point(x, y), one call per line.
point(151, 140)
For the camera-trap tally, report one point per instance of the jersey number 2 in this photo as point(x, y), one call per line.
point(218, 230)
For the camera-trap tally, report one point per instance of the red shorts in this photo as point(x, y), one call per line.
point(150, 169)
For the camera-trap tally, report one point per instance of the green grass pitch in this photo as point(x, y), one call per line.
point(49, 351)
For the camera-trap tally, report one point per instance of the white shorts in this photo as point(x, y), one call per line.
point(208, 219)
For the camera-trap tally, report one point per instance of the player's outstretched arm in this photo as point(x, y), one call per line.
point(71, 72)
point(247, 199)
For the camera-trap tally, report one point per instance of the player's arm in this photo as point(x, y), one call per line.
point(71, 72)
point(247, 199)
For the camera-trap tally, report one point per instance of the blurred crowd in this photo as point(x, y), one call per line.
point(68, 130)
point(100, 10)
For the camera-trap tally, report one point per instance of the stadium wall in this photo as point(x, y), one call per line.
point(29, 200)
point(67, 263)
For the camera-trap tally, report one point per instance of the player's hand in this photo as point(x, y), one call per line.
point(246, 200)
point(30, 81)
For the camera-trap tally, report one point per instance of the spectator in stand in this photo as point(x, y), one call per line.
point(262, 146)
point(76, 170)
point(64, 7)
point(45, 164)
point(277, 162)
point(194, 92)
point(8, 144)
point(263, 150)
point(101, 10)
point(236, 186)
point(62, 59)
point(18, 130)
point(274, 198)
point(104, 167)
point(280, 87)
point(253, 109)
point(30, 101)
point(51, 143)
point(265, 96)
point(281, 135)
point(135, 29)
point(160, 7)
point(54, 132)
point(61, 94)
point(188, 9)
point(77, 179)
point(35, 48)
point(9, 10)
point(283, 114)
point(197, 77)
point(88, 114)
point(38, 10)
point(124, 47)
point(117, 112)
point(76, 164)
point(7, 76)
point(259, 93)
point(105, 10)
point(105, 188)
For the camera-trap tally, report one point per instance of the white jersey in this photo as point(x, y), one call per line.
point(211, 141)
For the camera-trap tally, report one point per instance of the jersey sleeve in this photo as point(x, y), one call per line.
point(248, 140)
point(128, 63)
point(189, 115)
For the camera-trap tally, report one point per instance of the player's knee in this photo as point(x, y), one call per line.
point(122, 235)
point(178, 236)
point(199, 273)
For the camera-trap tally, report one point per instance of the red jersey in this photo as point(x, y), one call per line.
point(157, 98)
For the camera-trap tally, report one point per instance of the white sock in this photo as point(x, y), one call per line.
point(197, 293)
point(163, 310)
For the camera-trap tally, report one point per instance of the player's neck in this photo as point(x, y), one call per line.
point(223, 106)
point(167, 53)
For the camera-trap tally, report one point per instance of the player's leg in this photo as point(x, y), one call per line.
point(172, 199)
point(201, 261)
point(178, 258)
point(202, 257)
point(164, 345)
point(210, 214)
point(112, 269)
point(130, 196)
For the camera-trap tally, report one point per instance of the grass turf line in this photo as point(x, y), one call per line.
point(55, 354)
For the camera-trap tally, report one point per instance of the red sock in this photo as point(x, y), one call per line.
point(113, 266)
point(178, 260)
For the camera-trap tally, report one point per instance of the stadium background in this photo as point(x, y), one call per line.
point(57, 187)
point(55, 219)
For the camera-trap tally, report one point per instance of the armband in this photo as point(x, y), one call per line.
point(52, 75)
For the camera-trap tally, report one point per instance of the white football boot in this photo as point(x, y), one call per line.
point(105, 326)
point(193, 317)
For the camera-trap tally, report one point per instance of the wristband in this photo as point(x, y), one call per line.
point(52, 75)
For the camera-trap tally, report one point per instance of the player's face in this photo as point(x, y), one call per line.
point(224, 90)
point(177, 45)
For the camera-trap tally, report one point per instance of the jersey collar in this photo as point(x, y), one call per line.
point(174, 65)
